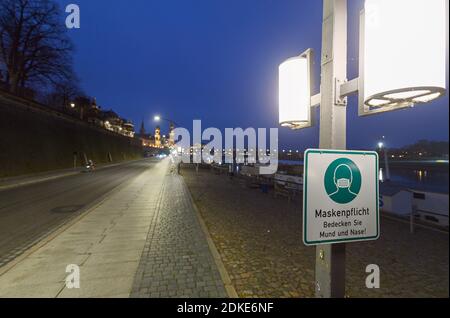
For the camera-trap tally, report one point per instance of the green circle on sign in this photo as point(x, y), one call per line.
point(342, 181)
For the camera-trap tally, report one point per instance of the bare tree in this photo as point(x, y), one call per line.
point(62, 94)
point(34, 46)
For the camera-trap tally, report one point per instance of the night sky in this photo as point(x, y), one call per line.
point(217, 60)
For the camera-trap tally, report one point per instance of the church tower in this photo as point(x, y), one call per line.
point(142, 130)
point(158, 137)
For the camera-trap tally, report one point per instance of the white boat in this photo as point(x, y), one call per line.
point(429, 207)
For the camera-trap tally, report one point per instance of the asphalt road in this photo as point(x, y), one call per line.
point(29, 213)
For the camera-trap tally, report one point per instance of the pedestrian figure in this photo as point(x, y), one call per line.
point(91, 164)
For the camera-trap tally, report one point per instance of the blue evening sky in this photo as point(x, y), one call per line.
point(217, 60)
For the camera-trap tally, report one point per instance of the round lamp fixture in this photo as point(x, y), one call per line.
point(403, 53)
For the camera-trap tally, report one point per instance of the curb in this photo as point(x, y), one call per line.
point(229, 288)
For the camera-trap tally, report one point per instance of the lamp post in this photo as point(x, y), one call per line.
point(382, 147)
point(389, 79)
point(330, 259)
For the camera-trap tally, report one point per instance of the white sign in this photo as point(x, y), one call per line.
point(340, 196)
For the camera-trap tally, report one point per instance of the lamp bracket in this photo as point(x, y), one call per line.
point(345, 88)
point(315, 100)
point(339, 100)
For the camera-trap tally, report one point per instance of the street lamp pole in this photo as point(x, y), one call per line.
point(380, 87)
point(384, 149)
point(330, 259)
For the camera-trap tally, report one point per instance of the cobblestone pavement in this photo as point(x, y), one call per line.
point(259, 240)
point(176, 261)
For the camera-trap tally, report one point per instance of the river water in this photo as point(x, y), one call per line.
point(426, 177)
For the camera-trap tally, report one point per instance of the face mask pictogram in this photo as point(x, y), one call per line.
point(342, 181)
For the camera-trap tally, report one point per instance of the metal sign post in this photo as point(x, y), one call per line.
point(330, 259)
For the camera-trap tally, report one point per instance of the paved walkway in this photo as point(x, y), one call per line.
point(177, 261)
point(259, 240)
point(107, 243)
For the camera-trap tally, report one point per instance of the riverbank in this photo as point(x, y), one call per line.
point(259, 240)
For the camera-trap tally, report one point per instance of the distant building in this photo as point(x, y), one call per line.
point(158, 137)
point(171, 135)
point(146, 139)
point(93, 114)
point(158, 140)
point(113, 122)
point(88, 110)
point(128, 129)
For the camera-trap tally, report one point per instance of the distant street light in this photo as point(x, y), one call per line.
point(158, 118)
point(72, 105)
